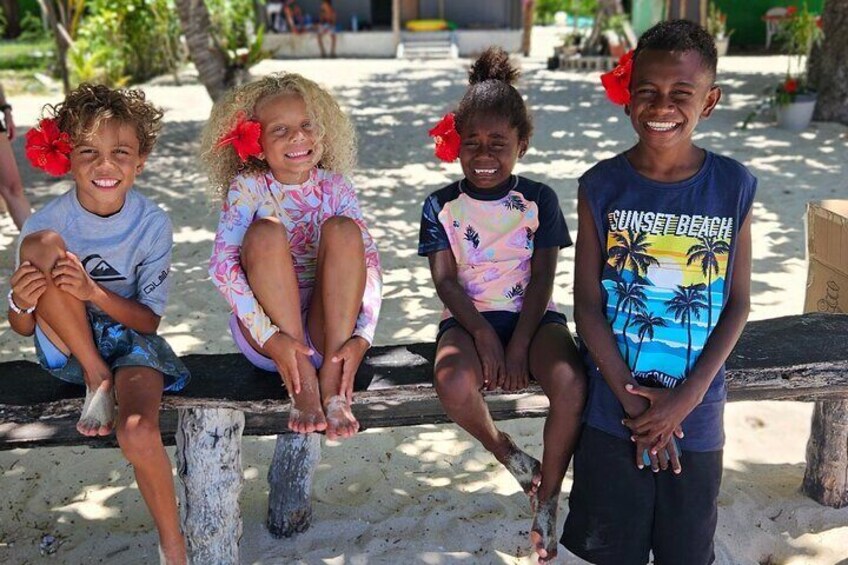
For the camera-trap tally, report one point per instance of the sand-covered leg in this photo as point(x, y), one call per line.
point(525, 468)
point(340, 419)
point(543, 534)
point(98, 411)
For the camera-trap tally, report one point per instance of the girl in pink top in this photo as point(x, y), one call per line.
point(292, 254)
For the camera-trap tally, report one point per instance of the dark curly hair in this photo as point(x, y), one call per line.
point(89, 105)
point(491, 93)
point(680, 36)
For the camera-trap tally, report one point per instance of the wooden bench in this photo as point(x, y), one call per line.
point(792, 358)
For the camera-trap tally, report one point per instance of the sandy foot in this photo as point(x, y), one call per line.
point(340, 419)
point(543, 533)
point(98, 411)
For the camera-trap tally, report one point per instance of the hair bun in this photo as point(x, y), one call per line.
point(493, 64)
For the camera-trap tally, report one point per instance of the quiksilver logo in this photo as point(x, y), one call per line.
point(100, 270)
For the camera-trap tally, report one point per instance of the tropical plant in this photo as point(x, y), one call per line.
point(645, 323)
point(686, 303)
point(707, 252)
point(631, 252)
point(799, 32)
point(717, 23)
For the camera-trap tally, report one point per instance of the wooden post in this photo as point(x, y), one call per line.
point(290, 478)
point(826, 477)
point(209, 467)
point(396, 23)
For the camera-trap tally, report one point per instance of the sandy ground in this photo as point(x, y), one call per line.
point(429, 494)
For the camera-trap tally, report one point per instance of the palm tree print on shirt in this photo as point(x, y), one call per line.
point(631, 252)
point(707, 252)
point(687, 302)
point(645, 323)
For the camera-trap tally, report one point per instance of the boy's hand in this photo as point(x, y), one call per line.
point(69, 275)
point(28, 284)
point(283, 349)
point(516, 367)
point(656, 426)
point(350, 356)
point(491, 354)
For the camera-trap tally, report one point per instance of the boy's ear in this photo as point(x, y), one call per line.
point(713, 96)
point(140, 166)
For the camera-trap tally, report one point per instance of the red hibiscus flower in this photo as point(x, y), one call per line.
point(447, 139)
point(617, 81)
point(47, 148)
point(790, 86)
point(244, 138)
point(791, 10)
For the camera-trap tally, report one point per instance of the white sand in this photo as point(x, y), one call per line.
point(429, 494)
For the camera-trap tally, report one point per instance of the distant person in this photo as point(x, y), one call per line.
point(11, 188)
point(293, 16)
point(661, 293)
point(327, 26)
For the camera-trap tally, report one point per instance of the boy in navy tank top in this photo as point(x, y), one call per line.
point(662, 284)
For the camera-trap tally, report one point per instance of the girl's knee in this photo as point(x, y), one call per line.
point(43, 248)
point(264, 237)
point(341, 230)
point(139, 437)
point(569, 384)
point(455, 384)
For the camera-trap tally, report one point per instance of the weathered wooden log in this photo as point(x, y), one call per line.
point(210, 473)
point(290, 480)
point(826, 477)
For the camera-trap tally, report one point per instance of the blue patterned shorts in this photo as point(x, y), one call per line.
point(119, 346)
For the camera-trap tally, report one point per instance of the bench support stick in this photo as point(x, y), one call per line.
point(209, 468)
point(826, 478)
point(290, 482)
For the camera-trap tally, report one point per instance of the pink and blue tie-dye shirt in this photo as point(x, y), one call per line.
point(492, 235)
point(302, 209)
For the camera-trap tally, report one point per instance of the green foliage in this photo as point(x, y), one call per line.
point(32, 28)
point(545, 9)
point(717, 22)
point(26, 55)
point(123, 41)
point(234, 30)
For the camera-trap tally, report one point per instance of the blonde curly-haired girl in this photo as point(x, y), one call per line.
point(292, 254)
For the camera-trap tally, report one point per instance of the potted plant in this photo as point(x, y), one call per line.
point(794, 100)
point(717, 27)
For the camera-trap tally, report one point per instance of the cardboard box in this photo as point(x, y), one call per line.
point(827, 253)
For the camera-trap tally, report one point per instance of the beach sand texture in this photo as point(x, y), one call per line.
point(429, 494)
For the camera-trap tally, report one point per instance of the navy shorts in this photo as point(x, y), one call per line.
point(503, 322)
point(618, 513)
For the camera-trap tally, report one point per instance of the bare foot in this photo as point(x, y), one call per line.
point(340, 419)
point(98, 410)
point(307, 415)
point(526, 469)
point(543, 531)
point(173, 556)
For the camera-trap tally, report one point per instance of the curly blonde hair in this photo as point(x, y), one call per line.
point(89, 105)
point(333, 129)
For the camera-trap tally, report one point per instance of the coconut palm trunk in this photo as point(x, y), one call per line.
point(828, 65)
point(210, 60)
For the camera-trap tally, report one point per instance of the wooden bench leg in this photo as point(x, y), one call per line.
point(826, 477)
point(290, 480)
point(210, 472)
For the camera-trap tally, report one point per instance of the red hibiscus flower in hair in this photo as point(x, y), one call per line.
point(447, 139)
point(47, 148)
point(617, 81)
point(244, 138)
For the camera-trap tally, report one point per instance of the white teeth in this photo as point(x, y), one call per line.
point(106, 183)
point(297, 154)
point(485, 171)
point(662, 126)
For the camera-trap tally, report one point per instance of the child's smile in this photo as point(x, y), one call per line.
point(288, 138)
point(489, 150)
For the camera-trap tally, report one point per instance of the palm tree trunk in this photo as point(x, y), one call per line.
point(638, 351)
point(828, 65)
point(624, 333)
point(527, 20)
point(605, 9)
point(688, 344)
point(709, 298)
point(210, 61)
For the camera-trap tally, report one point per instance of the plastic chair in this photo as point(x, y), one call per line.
point(772, 19)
